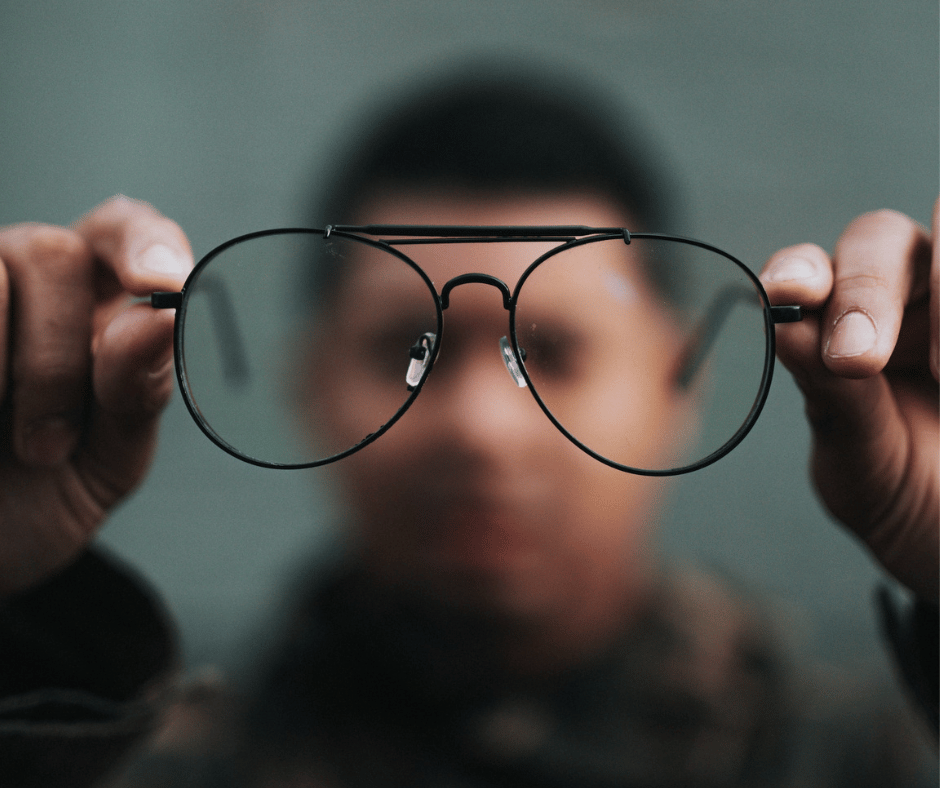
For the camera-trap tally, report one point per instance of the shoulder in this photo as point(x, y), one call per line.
point(195, 741)
point(740, 655)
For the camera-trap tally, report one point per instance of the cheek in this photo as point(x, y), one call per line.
point(342, 403)
point(630, 412)
point(608, 508)
point(383, 485)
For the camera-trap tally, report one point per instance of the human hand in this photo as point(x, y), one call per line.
point(84, 375)
point(866, 359)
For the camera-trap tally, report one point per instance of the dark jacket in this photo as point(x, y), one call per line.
point(371, 688)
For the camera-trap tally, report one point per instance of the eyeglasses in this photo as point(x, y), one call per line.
point(297, 347)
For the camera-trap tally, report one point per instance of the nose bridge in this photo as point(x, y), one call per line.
point(506, 353)
point(477, 399)
point(485, 279)
point(480, 402)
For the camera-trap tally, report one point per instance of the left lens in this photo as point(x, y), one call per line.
point(281, 375)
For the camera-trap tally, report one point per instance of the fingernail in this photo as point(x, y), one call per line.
point(161, 259)
point(791, 269)
point(853, 334)
point(48, 442)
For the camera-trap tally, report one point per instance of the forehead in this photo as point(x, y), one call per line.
point(504, 260)
point(464, 206)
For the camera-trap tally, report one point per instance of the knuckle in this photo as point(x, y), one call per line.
point(864, 280)
point(53, 385)
point(132, 213)
point(51, 355)
point(117, 211)
point(808, 251)
point(889, 216)
point(55, 248)
point(121, 203)
point(167, 228)
point(880, 221)
point(51, 362)
point(135, 224)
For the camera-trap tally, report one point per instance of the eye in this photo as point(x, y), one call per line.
point(385, 347)
point(554, 353)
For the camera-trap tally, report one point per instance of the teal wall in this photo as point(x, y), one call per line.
point(785, 119)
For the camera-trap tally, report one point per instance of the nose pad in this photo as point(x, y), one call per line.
point(420, 354)
point(511, 362)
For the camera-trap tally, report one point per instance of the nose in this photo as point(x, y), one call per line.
point(469, 395)
point(507, 353)
point(476, 403)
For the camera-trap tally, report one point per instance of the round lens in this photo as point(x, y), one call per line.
point(652, 356)
point(297, 349)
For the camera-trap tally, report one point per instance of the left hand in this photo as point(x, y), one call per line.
point(866, 359)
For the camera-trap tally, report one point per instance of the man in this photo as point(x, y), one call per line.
point(500, 620)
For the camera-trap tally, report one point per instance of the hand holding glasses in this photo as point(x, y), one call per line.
point(588, 322)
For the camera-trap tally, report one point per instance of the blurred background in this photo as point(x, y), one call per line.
point(783, 121)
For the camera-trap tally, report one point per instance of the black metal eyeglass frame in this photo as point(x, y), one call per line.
point(425, 350)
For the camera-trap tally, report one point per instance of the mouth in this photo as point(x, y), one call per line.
point(480, 538)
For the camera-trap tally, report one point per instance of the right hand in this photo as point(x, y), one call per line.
point(84, 375)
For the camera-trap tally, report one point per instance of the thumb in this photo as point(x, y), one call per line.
point(843, 412)
point(870, 469)
point(859, 432)
point(133, 381)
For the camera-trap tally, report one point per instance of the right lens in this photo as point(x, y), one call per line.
point(281, 373)
point(650, 355)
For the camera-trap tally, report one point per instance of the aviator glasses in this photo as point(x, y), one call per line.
point(262, 359)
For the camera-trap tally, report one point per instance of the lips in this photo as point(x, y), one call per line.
point(480, 538)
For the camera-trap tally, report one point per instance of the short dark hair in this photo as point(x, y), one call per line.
point(501, 129)
point(511, 129)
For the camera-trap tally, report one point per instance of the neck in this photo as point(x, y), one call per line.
point(553, 643)
point(540, 641)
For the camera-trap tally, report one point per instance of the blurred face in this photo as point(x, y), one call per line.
point(474, 498)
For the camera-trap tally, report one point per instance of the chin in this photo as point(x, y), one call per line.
point(501, 593)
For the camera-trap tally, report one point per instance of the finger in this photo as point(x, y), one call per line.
point(863, 451)
point(49, 270)
point(881, 265)
point(141, 247)
point(800, 275)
